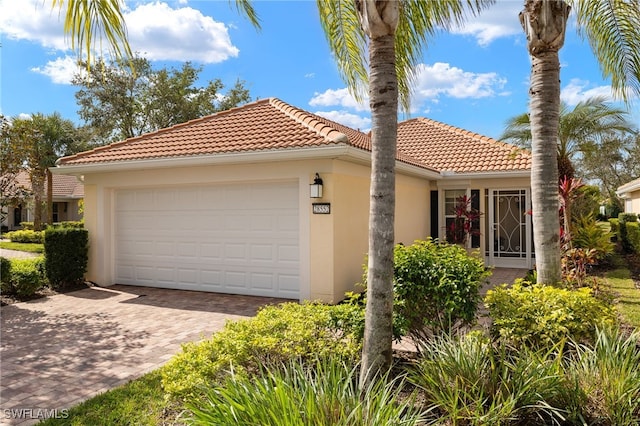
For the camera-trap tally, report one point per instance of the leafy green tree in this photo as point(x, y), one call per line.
point(611, 161)
point(36, 143)
point(589, 120)
point(123, 99)
point(613, 31)
point(10, 165)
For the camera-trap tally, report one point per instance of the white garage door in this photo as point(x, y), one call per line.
point(232, 238)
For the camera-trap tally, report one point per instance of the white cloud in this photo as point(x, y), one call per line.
point(60, 70)
point(500, 20)
point(577, 91)
point(155, 30)
point(347, 119)
point(32, 20)
point(159, 32)
point(441, 79)
point(339, 97)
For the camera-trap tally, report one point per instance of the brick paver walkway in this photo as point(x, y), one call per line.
point(58, 351)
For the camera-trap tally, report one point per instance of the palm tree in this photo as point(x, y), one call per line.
point(590, 120)
point(393, 33)
point(613, 30)
point(37, 142)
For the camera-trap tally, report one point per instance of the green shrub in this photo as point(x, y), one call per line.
point(628, 217)
point(275, 335)
point(5, 274)
point(25, 236)
point(541, 316)
point(324, 392)
point(69, 224)
point(66, 254)
point(436, 288)
point(615, 227)
point(588, 235)
point(27, 226)
point(633, 236)
point(628, 222)
point(24, 276)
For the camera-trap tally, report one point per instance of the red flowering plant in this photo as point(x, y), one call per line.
point(465, 222)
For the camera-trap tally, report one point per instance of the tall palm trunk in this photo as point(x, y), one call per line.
point(544, 22)
point(37, 186)
point(49, 197)
point(379, 20)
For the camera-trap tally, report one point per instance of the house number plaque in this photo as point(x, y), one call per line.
point(321, 208)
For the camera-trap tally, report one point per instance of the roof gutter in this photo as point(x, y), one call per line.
point(624, 191)
point(338, 151)
point(450, 175)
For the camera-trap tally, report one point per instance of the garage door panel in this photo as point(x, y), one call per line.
point(240, 238)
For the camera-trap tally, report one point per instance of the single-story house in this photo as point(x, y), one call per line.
point(630, 193)
point(224, 203)
point(68, 193)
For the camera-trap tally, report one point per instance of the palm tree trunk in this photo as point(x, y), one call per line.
point(544, 22)
point(544, 110)
point(383, 98)
point(49, 197)
point(37, 186)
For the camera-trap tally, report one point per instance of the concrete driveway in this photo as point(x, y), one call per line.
point(58, 351)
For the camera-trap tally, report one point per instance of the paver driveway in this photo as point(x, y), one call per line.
point(58, 351)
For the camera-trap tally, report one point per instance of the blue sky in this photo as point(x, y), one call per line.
point(475, 77)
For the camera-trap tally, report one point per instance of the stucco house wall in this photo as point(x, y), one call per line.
point(332, 246)
point(630, 195)
point(271, 151)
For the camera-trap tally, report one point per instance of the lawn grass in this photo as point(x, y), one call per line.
point(139, 402)
point(29, 247)
point(627, 295)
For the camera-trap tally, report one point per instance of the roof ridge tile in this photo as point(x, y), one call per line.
point(312, 122)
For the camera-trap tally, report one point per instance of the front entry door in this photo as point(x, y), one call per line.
point(510, 244)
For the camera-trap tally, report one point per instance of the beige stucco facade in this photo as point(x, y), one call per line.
point(630, 194)
point(332, 246)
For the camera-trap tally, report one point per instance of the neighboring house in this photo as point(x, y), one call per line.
point(223, 203)
point(630, 193)
point(68, 191)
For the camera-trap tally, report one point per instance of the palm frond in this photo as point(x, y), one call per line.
point(613, 31)
point(347, 41)
point(245, 7)
point(518, 131)
point(84, 19)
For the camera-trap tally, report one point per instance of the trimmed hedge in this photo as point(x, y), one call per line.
point(633, 236)
point(22, 277)
point(66, 253)
point(25, 236)
point(627, 231)
point(69, 224)
point(540, 316)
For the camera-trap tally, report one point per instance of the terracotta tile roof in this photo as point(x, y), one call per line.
point(271, 124)
point(268, 124)
point(447, 148)
point(64, 186)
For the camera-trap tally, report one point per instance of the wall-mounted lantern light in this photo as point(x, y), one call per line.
point(315, 189)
